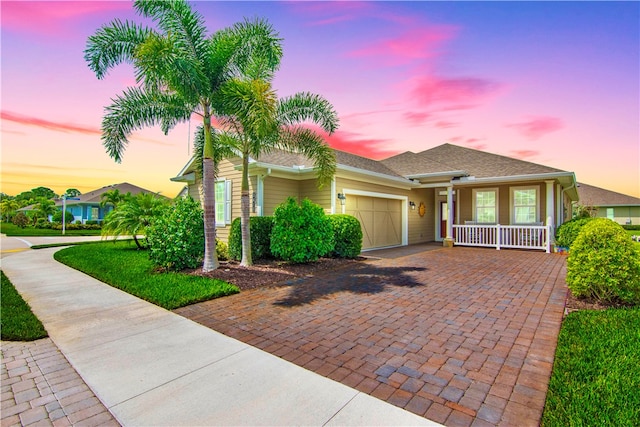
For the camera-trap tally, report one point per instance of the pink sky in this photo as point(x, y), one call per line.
point(552, 83)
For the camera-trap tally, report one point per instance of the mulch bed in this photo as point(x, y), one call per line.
point(574, 304)
point(272, 272)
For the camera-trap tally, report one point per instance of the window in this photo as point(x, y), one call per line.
point(524, 202)
point(610, 213)
point(485, 206)
point(223, 202)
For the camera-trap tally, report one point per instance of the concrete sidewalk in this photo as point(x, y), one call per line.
point(149, 366)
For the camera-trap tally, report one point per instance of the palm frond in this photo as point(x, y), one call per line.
point(223, 147)
point(114, 44)
point(305, 106)
point(299, 139)
point(135, 109)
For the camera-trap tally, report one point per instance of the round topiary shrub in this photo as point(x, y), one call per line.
point(222, 250)
point(301, 233)
point(567, 232)
point(176, 238)
point(57, 217)
point(604, 264)
point(347, 236)
point(260, 228)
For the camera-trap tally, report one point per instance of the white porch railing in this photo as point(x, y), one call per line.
point(504, 236)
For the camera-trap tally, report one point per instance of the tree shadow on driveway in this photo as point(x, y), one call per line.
point(362, 279)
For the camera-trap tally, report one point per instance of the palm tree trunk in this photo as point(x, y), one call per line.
point(208, 189)
point(244, 214)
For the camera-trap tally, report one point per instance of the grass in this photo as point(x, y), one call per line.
point(596, 375)
point(123, 266)
point(17, 322)
point(13, 230)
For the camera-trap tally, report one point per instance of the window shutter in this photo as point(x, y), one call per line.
point(228, 196)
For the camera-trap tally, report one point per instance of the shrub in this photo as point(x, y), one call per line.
point(43, 223)
point(260, 228)
point(176, 238)
point(301, 233)
point(347, 236)
point(20, 220)
point(631, 227)
point(92, 222)
point(57, 217)
point(567, 232)
point(604, 264)
point(222, 250)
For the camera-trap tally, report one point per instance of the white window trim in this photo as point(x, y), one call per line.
point(512, 207)
point(228, 195)
point(474, 197)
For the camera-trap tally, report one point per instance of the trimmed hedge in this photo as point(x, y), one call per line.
point(301, 233)
point(347, 236)
point(260, 228)
point(567, 232)
point(631, 227)
point(604, 264)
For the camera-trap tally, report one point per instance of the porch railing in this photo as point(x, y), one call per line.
point(504, 236)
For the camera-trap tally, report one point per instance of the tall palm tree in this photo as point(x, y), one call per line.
point(257, 122)
point(133, 216)
point(179, 71)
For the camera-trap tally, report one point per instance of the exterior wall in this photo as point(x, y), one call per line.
point(309, 189)
point(621, 214)
point(422, 228)
point(276, 191)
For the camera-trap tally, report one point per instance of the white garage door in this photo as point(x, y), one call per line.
point(380, 219)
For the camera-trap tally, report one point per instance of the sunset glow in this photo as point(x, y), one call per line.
point(554, 83)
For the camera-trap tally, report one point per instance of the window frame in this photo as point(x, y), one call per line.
point(513, 207)
point(475, 204)
point(225, 203)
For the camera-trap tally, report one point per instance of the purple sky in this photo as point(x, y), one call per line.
point(555, 83)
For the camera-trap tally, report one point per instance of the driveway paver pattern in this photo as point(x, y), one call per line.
point(461, 336)
point(40, 387)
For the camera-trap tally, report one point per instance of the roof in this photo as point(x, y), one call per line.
point(596, 196)
point(448, 157)
point(95, 196)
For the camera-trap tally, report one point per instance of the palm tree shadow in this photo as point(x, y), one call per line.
point(361, 279)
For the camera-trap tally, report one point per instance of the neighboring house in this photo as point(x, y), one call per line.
point(87, 207)
point(619, 207)
point(404, 199)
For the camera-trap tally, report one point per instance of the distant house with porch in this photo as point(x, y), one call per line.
point(448, 193)
point(622, 208)
point(87, 206)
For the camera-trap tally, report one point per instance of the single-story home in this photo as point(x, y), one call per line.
point(86, 207)
point(448, 193)
point(604, 203)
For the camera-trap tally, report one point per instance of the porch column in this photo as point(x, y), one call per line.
point(448, 241)
point(550, 209)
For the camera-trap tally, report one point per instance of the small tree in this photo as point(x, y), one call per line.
point(43, 209)
point(301, 233)
point(20, 220)
point(132, 217)
point(57, 217)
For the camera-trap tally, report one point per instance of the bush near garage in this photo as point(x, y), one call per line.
point(260, 228)
point(301, 233)
point(347, 236)
point(567, 232)
point(604, 264)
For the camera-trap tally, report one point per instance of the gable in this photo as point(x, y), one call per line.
point(596, 196)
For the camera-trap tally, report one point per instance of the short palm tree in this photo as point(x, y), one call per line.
point(257, 122)
point(179, 71)
point(113, 198)
point(133, 216)
point(43, 208)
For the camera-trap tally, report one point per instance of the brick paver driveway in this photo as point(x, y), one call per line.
point(461, 336)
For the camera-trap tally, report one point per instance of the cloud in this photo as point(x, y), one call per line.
point(524, 154)
point(46, 124)
point(414, 45)
point(443, 124)
point(331, 12)
point(416, 118)
point(451, 93)
point(51, 18)
point(355, 143)
point(536, 127)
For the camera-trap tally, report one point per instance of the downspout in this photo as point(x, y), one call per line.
point(562, 197)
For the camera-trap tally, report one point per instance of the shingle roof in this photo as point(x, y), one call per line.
point(596, 196)
point(94, 196)
point(449, 157)
point(283, 158)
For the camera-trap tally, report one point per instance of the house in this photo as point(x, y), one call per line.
point(604, 203)
point(447, 193)
point(86, 207)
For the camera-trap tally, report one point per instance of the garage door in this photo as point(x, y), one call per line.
point(380, 219)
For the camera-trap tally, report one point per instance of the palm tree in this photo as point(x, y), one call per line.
point(43, 208)
point(257, 122)
point(113, 198)
point(133, 216)
point(179, 71)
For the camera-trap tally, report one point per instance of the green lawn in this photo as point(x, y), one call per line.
point(13, 230)
point(123, 266)
point(596, 375)
point(17, 322)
